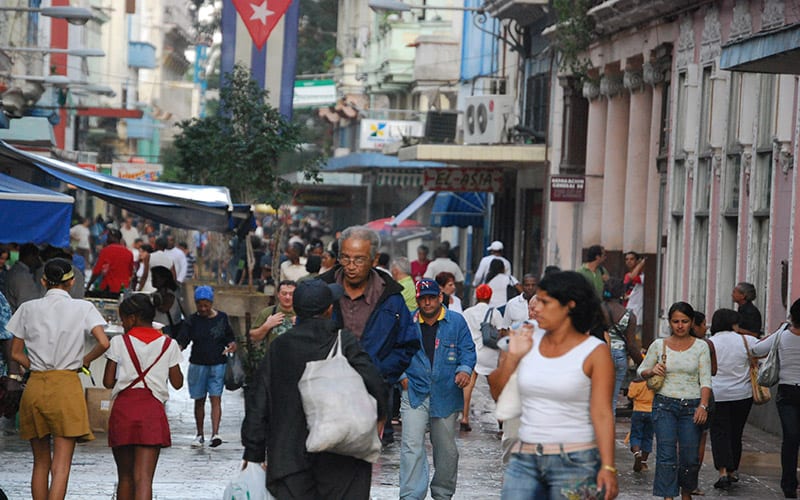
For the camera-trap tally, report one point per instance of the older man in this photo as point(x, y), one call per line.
point(372, 307)
point(432, 395)
point(743, 295)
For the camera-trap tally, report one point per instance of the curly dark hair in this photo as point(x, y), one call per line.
point(566, 286)
point(141, 305)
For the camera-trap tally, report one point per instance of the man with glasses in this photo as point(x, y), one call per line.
point(372, 308)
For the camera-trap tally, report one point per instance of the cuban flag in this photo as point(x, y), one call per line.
point(262, 35)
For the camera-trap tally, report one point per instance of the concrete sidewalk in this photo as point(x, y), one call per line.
point(184, 473)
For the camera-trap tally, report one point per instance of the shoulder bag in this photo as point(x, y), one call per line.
point(656, 382)
point(771, 366)
point(489, 333)
point(511, 290)
point(341, 415)
point(761, 394)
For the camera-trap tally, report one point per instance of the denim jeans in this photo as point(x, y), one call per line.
point(788, 403)
point(642, 430)
point(620, 358)
point(675, 429)
point(414, 473)
point(551, 477)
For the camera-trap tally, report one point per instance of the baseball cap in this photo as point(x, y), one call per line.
point(427, 286)
point(312, 297)
point(483, 292)
point(204, 292)
point(496, 246)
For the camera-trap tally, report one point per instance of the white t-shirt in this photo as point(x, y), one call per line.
point(498, 285)
point(157, 377)
point(179, 258)
point(516, 310)
point(293, 272)
point(54, 329)
point(555, 394)
point(636, 300)
point(79, 236)
point(161, 258)
point(732, 381)
point(487, 357)
point(442, 264)
point(788, 352)
point(455, 304)
point(483, 269)
point(129, 235)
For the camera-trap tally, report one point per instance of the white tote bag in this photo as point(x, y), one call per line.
point(509, 404)
point(341, 415)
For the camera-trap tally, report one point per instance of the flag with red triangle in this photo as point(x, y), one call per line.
point(260, 17)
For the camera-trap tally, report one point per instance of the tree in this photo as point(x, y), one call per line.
point(241, 145)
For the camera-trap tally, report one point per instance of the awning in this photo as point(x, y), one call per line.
point(358, 162)
point(459, 209)
point(178, 205)
point(776, 51)
point(34, 214)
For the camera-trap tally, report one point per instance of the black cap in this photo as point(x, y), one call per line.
point(312, 297)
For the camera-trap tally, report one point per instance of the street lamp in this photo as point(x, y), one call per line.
point(398, 6)
point(48, 50)
point(73, 15)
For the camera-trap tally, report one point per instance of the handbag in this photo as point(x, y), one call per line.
point(489, 333)
point(761, 394)
point(656, 382)
point(234, 371)
point(511, 290)
point(340, 414)
point(771, 366)
point(249, 484)
point(509, 404)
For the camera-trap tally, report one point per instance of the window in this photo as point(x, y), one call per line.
point(707, 98)
point(734, 108)
point(761, 190)
point(663, 145)
point(681, 118)
point(699, 268)
point(536, 105)
point(731, 180)
point(702, 184)
point(766, 108)
point(676, 270)
point(678, 194)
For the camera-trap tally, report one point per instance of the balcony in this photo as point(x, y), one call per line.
point(141, 55)
point(524, 12)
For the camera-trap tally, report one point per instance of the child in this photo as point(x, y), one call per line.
point(212, 338)
point(641, 422)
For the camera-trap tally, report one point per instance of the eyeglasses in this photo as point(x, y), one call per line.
point(346, 260)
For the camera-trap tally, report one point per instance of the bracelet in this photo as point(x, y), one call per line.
point(610, 468)
point(14, 376)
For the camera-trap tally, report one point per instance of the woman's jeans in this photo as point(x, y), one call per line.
point(727, 426)
point(675, 430)
point(620, 358)
point(551, 477)
point(788, 403)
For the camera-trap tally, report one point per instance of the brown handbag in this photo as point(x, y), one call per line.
point(656, 382)
point(761, 394)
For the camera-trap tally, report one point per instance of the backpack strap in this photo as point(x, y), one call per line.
point(142, 374)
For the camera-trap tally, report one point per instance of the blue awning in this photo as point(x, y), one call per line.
point(357, 162)
point(776, 51)
point(459, 209)
point(30, 213)
point(178, 205)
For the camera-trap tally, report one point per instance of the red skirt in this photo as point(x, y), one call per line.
point(138, 418)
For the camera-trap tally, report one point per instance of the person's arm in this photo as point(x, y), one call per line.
point(229, 336)
point(110, 375)
point(18, 353)
point(762, 347)
point(406, 342)
point(650, 360)
point(176, 376)
point(99, 333)
point(630, 341)
point(260, 332)
point(145, 270)
point(466, 353)
point(704, 376)
point(520, 342)
point(713, 353)
point(600, 369)
point(636, 271)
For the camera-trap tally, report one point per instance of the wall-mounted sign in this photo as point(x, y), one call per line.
point(323, 197)
point(463, 179)
point(314, 93)
point(377, 133)
point(137, 171)
point(570, 188)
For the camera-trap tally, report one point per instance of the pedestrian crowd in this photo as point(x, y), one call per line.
point(557, 351)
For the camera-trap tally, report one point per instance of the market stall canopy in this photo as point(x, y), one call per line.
point(178, 205)
point(30, 213)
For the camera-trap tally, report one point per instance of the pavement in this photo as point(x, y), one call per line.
point(184, 473)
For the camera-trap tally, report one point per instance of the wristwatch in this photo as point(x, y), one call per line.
point(705, 407)
point(14, 376)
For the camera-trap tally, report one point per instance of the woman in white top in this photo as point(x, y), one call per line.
point(139, 364)
point(680, 407)
point(788, 397)
point(498, 280)
point(49, 335)
point(733, 394)
point(565, 377)
point(447, 282)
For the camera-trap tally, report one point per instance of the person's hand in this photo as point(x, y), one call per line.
point(230, 348)
point(607, 481)
point(404, 384)
point(659, 369)
point(462, 379)
point(274, 320)
point(700, 415)
point(520, 341)
point(262, 464)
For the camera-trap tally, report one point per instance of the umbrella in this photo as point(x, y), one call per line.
point(405, 230)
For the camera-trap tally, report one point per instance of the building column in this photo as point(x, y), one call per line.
point(615, 160)
point(595, 154)
point(638, 162)
point(653, 77)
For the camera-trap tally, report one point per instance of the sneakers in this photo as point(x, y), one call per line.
point(198, 441)
point(723, 483)
point(637, 461)
point(215, 441)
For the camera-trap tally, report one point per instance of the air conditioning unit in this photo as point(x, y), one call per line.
point(487, 118)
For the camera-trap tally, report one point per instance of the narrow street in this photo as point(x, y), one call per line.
point(184, 473)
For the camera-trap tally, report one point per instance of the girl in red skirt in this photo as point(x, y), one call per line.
point(139, 364)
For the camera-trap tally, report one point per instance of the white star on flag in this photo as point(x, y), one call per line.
point(260, 12)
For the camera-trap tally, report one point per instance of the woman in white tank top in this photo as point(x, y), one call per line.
point(566, 377)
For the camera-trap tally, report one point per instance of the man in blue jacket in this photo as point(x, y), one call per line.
point(372, 308)
point(432, 396)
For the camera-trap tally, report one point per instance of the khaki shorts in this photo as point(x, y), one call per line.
point(53, 404)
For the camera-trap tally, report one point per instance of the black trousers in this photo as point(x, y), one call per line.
point(331, 477)
point(788, 403)
point(727, 424)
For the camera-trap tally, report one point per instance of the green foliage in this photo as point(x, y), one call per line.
point(317, 36)
point(573, 36)
point(240, 147)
